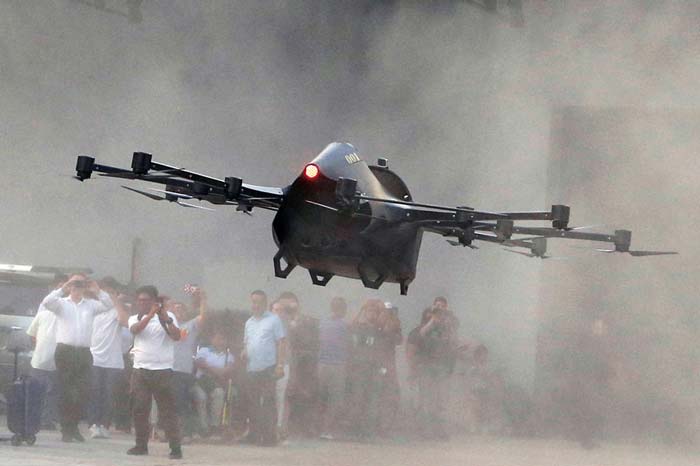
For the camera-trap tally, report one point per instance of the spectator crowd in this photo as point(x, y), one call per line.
point(130, 359)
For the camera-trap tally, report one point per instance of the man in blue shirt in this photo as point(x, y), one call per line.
point(264, 353)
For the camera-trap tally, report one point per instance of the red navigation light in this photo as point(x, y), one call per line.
point(311, 171)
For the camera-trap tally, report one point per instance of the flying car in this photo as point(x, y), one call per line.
point(342, 216)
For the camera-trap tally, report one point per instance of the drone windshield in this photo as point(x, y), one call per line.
point(311, 171)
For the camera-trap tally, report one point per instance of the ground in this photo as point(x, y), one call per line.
point(467, 451)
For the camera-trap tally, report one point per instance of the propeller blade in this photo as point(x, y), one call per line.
point(355, 214)
point(526, 254)
point(193, 206)
point(131, 176)
point(125, 174)
point(181, 196)
point(652, 253)
point(322, 205)
point(584, 227)
point(640, 253)
point(145, 193)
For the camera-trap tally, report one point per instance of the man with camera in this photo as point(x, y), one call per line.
point(430, 352)
point(75, 304)
point(155, 333)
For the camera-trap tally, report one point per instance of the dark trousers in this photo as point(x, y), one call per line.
point(73, 366)
point(365, 388)
point(433, 388)
point(121, 398)
point(263, 408)
point(146, 385)
point(49, 408)
point(103, 381)
point(183, 383)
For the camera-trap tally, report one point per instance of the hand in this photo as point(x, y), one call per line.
point(67, 286)
point(155, 309)
point(279, 371)
point(93, 287)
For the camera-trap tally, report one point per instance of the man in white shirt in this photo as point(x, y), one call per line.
point(155, 333)
point(43, 333)
point(75, 311)
point(107, 360)
point(264, 351)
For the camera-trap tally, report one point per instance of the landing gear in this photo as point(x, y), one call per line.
point(281, 272)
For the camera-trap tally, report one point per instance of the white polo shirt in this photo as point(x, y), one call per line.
point(260, 340)
point(43, 328)
point(153, 348)
point(74, 320)
point(106, 343)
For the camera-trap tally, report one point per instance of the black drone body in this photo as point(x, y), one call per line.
point(344, 217)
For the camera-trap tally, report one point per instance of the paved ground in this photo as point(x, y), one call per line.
point(463, 451)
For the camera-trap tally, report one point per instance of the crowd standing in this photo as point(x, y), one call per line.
point(260, 376)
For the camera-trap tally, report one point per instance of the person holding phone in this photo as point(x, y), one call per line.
point(75, 311)
point(155, 333)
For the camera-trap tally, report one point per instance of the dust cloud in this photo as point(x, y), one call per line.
point(467, 107)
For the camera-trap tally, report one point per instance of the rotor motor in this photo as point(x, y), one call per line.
point(84, 167)
point(141, 163)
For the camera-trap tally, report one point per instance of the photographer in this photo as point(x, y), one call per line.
point(430, 351)
point(155, 333)
point(365, 372)
point(75, 312)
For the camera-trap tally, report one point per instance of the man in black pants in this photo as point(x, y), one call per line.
point(155, 333)
point(75, 310)
point(265, 343)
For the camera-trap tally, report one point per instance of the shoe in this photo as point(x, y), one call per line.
point(326, 437)
point(137, 451)
point(77, 436)
point(104, 432)
point(175, 454)
point(95, 431)
point(67, 437)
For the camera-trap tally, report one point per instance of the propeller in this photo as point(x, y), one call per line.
point(155, 197)
point(131, 176)
point(586, 227)
point(355, 214)
point(179, 195)
point(640, 253)
point(193, 206)
point(529, 254)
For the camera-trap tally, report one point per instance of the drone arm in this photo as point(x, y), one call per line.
point(179, 181)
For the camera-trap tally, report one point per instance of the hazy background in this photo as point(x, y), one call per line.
point(459, 100)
